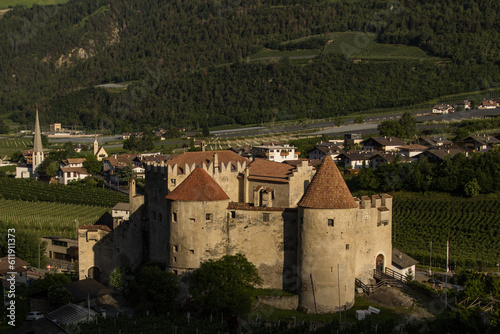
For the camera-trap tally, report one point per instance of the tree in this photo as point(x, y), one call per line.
point(47, 281)
point(92, 165)
point(390, 129)
point(225, 285)
point(4, 129)
point(472, 188)
point(408, 125)
point(126, 173)
point(28, 246)
point(17, 157)
point(154, 290)
point(205, 132)
point(116, 278)
point(59, 295)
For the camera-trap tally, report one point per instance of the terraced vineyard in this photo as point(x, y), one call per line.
point(473, 225)
point(29, 190)
point(11, 145)
point(47, 219)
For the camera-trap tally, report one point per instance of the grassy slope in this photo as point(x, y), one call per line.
point(29, 3)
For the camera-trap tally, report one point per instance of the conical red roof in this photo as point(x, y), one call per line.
point(328, 189)
point(199, 187)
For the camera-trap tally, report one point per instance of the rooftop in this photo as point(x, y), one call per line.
point(199, 187)
point(266, 170)
point(328, 189)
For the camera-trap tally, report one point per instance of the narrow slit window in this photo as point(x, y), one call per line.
point(331, 222)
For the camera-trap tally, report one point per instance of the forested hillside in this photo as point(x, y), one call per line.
point(188, 62)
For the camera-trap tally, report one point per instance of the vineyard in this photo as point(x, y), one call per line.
point(472, 224)
point(34, 191)
point(11, 145)
point(47, 219)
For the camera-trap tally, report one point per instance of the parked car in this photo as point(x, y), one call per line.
point(35, 315)
point(435, 281)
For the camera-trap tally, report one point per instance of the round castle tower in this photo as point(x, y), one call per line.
point(326, 247)
point(197, 222)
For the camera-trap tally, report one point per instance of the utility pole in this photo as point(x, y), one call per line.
point(430, 262)
point(338, 279)
point(447, 270)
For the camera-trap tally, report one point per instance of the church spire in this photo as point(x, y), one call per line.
point(37, 140)
point(96, 145)
point(37, 144)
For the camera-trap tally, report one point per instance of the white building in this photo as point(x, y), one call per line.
point(275, 152)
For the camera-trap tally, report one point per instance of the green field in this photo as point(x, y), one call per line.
point(11, 145)
point(473, 226)
point(29, 3)
point(350, 44)
point(34, 191)
point(270, 54)
point(363, 45)
point(48, 219)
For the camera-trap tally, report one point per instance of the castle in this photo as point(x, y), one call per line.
point(301, 228)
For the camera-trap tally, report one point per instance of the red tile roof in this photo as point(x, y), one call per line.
point(198, 158)
point(79, 170)
point(199, 187)
point(265, 170)
point(328, 189)
point(18, 265)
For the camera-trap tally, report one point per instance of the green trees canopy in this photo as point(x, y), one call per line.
point(154, 290)
point(92, 165)
point(225, 285)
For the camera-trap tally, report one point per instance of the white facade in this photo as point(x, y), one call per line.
point(68, 174)
point(277, 153)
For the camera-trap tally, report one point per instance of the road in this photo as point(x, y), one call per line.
point(327, 127)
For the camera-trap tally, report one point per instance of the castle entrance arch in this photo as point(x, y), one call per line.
point(95, 273)
point(380, 262)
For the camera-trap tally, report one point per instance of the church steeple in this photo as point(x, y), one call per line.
point(96, 145)
point(37, 144)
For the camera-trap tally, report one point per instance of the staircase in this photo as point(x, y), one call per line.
point(389, 277)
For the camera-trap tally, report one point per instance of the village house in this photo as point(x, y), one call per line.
point(20, 268)
point(72, 169)
point(488, 104)
point(482, 143)
point(382, 144)
point(323, 149)
point(438, 155)
point(411, 150)
point(434, 142)
point(355, 159)
point(61, 251)
point(403, 264)
point(465, 104)
point(443, 109)
point(275, 152)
